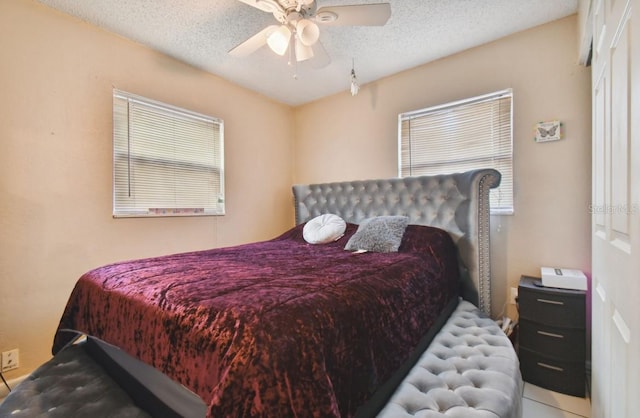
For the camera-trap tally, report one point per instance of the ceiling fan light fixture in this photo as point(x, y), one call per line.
point(303, 52)
point(308, 32)
point(278, 40)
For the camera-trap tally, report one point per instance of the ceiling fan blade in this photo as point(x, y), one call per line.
point(268, 6)
point(254, 43)
point(320, 57)
point(355, 15)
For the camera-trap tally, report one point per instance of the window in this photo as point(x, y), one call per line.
point(166, 161)
point(460, 136)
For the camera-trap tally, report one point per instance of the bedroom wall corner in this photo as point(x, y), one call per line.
point(56, 82)
point(345, 138)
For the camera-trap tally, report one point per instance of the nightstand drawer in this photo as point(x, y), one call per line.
point(557, 307)
point(559, 343)
point(560, 376)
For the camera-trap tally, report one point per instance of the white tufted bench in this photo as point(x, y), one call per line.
point(469, 370)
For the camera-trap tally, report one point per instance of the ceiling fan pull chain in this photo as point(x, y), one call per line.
point(355, 86)
point(293, 62)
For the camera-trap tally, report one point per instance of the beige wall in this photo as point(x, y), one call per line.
point(56, 81)
point(344, 137)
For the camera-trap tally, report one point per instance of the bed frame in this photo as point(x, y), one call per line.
point(468, 354)
point(469, 368)
point(457, 203)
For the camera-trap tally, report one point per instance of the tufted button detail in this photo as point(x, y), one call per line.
point(426, 200)
point(467, 371)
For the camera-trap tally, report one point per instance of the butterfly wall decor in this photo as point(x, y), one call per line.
point(548, 131)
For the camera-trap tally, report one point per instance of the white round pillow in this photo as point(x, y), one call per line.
point(324, 228)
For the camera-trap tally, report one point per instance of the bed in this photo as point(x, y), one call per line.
point(288, 328)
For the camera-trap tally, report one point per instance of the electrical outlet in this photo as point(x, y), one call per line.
point(10, 360)
point(514, 295)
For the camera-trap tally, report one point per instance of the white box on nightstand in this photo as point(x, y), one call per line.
point(563, 278)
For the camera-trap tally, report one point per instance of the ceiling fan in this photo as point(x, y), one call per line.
point(298, 31)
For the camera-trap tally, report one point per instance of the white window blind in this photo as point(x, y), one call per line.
point(460, 136)
point(167, 161)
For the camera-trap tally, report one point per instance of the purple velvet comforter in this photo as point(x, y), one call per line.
point(279, 328)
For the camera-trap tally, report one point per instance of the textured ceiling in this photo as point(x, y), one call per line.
point(201, 32)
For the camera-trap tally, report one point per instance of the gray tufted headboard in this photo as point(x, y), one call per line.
point(457, 203)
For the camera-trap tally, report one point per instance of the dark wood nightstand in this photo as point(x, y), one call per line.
point(552, 336)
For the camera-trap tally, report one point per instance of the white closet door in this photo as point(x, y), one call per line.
point(616, 209)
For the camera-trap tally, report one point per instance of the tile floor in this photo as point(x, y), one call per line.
point(542, 403)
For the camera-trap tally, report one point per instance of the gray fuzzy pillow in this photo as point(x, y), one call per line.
point(381, 234)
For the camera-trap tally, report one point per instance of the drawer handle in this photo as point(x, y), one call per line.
point(550, 334)
point(548, 366)
point(551, 302)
